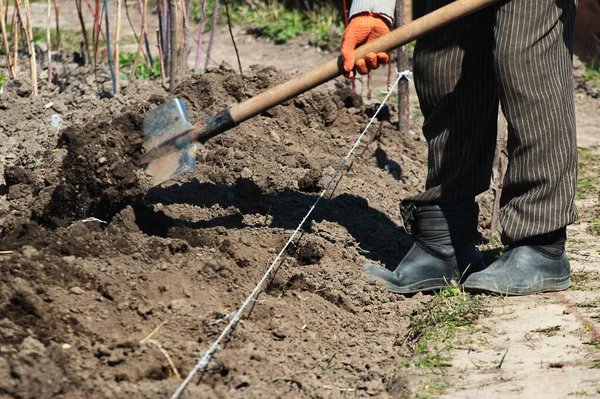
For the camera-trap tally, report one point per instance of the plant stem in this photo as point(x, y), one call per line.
point(117, 41)
point(48, 44)
point(237, 53)
point(16, 37)
point(145, 32)
point(83, 31)
point(11, 67)
point(200, 36)
point(213, 28)
point(29, 37)
point(108, 51)
point(57, 33)
point(139, 48)
point(161, 60)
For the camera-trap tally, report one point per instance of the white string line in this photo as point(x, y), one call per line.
point(203, 362)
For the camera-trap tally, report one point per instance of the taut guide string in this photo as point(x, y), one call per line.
point(203, 362)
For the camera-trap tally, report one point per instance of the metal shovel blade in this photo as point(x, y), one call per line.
point(168, 152)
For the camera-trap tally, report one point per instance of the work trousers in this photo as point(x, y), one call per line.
point(517, 53)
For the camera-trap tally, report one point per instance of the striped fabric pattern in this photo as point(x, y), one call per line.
point(516, 54)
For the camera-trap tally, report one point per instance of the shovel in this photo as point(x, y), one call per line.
point(170, 139)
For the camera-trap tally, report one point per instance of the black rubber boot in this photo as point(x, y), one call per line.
point(443, 251)
point(522, 270)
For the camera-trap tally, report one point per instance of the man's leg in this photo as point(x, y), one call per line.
point(533, 65)
point(454, 78)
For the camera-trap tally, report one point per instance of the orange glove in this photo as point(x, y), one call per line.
point(361, 29)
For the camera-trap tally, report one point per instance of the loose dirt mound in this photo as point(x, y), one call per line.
point(93, 262)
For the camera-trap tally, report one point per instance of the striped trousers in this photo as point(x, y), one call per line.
point(516, 54)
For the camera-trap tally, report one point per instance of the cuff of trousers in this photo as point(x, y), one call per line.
point(383, 7)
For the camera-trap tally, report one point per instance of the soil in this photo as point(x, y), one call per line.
point(92, 262)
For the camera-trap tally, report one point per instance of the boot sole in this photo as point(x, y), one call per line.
point(423, 286)
point(549, 285)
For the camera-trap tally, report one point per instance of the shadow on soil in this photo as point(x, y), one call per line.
point(377, 237)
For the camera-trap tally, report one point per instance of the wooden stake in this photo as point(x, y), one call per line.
point(403, 89)
point(11, 67)
point(117, 40)
point(177, 30)
point(499, 168)
point(139, 48)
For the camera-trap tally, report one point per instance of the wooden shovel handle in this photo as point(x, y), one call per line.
point(334, 68)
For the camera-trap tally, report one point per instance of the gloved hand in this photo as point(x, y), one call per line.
point(361, 29)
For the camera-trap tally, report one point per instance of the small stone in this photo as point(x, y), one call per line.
point(179, 306)
point(68, 259)
point(246, 173)
point(66, 347)
point(76, 291)
point(274, 136)
point(102, 160)
point(29, 252)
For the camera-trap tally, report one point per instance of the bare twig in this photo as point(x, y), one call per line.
point(237, 53)
point(11, 67)
point(166, 354)
point(139, 48)
point(149, 337)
